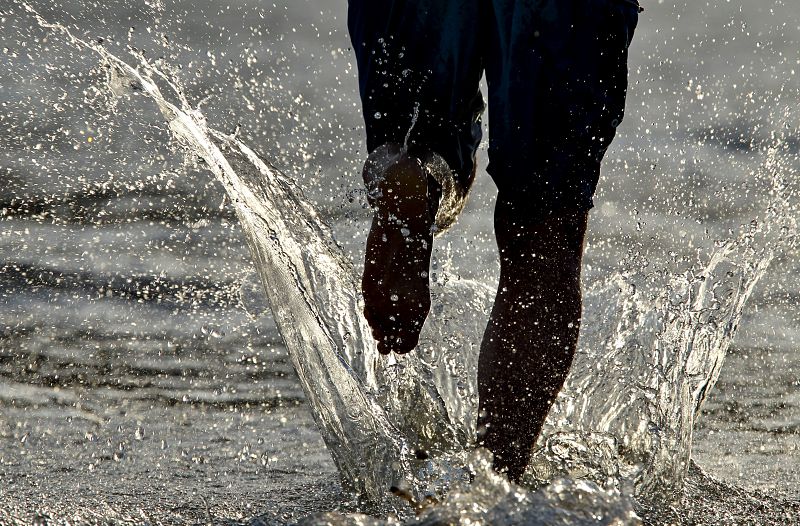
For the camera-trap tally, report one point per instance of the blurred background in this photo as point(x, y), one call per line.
point(140, 372)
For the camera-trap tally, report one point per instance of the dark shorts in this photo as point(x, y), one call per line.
point(557, 76)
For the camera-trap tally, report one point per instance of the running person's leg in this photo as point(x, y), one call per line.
point(557, 74)
point(419, 70)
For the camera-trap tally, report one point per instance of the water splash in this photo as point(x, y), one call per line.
point(372, 414)
point(647, 362)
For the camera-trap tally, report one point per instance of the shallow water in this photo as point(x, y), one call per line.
point(116, 294)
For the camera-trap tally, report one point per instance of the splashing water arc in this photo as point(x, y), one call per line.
point(302, 270)
point(645, 366)
point(297, 273)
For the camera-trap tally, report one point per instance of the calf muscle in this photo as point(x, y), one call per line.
point(532, 333)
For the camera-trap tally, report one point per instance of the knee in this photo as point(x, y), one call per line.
point(552, 243)
point(520, 219)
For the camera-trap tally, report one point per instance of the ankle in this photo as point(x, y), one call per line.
point(399, 186)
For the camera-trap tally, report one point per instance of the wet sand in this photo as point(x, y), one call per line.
point(176, 453)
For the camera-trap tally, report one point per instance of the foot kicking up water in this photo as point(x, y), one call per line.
point(395, 283)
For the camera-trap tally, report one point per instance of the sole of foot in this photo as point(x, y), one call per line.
point(395, 283)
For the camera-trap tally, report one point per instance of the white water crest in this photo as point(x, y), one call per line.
point(622, 427)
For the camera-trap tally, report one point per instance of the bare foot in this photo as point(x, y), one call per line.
point(395, 282)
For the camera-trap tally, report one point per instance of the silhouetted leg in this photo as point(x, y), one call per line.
point(532, 333)
point(420, 64)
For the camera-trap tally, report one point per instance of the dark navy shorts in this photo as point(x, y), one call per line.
point(557, 76)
